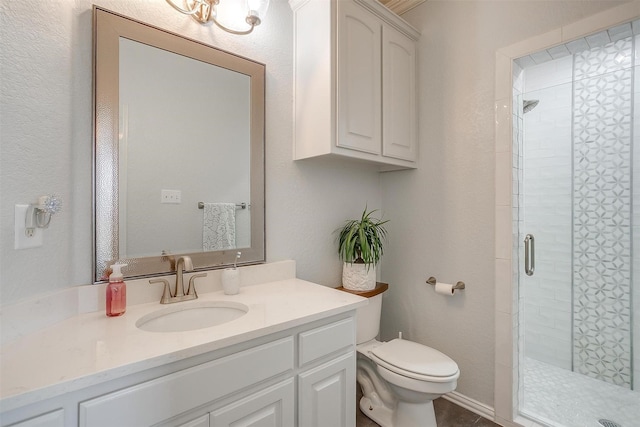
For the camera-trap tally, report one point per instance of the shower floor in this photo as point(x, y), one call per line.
point(574, 400)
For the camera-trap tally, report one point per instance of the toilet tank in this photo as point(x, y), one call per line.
point(368, 317)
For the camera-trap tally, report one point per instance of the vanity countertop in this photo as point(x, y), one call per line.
point(90, 348)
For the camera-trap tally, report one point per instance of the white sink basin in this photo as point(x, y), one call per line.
point(188, 317)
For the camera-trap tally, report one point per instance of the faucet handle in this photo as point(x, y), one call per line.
point(166, 293)
point(192, 284)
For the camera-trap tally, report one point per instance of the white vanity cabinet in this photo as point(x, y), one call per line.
point(301, 376)
point(355, 83)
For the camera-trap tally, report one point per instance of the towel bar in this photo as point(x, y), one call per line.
point(238, 205)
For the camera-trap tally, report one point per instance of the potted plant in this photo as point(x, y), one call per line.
point(361, 247)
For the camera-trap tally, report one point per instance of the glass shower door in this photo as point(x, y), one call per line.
point(577, 201)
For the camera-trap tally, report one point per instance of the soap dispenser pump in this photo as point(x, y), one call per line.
point(116, 292)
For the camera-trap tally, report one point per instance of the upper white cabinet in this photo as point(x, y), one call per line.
point(355, 82)
point(399, 134)
point(359, 77)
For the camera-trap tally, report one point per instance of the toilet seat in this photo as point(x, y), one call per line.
point(414, 360)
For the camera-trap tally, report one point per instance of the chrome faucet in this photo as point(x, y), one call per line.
point(182, 264)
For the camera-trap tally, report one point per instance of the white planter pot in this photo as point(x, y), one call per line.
point(358, 277)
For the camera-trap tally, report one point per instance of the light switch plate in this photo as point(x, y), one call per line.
point(22, 241)
point(171, 196)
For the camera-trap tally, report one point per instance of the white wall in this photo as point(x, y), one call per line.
point(442, 215)
point(45, 122)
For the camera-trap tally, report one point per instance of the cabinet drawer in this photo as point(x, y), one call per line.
point(324, 340)
point(52, 419)
point(160, 399)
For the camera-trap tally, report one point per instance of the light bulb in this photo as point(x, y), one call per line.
point(257, 8)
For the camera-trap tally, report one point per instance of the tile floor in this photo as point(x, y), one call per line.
point(447, 415)
point(571, 399)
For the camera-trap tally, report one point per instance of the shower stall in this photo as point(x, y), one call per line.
point(577, 183)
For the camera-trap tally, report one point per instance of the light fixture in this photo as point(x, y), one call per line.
point(204, 11)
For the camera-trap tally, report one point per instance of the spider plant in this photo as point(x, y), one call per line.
point(361, 240)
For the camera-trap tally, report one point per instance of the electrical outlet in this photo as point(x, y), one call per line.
point(22, 240)
point(171, 196)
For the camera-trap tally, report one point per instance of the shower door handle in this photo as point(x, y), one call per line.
point(529, 254)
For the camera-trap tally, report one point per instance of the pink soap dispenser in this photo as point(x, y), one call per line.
point(116, 292)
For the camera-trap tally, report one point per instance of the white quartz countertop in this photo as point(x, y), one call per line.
point(91, 348)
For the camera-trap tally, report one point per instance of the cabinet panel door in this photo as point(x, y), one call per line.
point(359, 110)
point(399, 110)
point(327, 393)
point(202, 421)
point(272, 407)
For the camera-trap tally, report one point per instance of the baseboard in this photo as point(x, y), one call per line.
point(471, 404)
point(486, 411)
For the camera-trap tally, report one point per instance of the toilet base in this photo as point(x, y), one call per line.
point(405, 415)
point(378, 413)
point(415, 415)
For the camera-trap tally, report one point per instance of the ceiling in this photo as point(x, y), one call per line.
point(401, 6)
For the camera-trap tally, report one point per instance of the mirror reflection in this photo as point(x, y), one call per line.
point(179, 152)
point(184, 139)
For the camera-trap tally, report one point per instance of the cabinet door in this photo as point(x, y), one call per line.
point(359, 110)
point(202, 421)
point(327, 394)
point(272, 407)
point(399, 95)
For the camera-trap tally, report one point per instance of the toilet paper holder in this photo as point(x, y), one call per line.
point(432, 281)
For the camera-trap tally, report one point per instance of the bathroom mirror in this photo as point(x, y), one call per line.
point(178, 153)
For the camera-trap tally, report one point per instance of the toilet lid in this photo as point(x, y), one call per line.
point(415, 358)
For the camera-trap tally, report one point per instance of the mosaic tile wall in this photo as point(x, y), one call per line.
point(602, 262)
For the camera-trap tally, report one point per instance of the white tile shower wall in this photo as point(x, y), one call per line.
point(636, 218)
point(547, 212)
point(517, 393)
point(549, 74)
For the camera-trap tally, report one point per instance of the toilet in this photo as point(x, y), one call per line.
point(399, 378)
